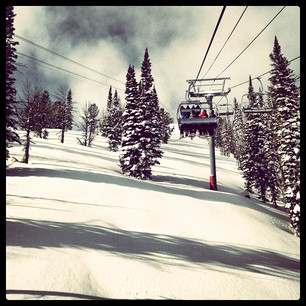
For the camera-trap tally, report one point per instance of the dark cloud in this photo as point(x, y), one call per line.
point(128, 28)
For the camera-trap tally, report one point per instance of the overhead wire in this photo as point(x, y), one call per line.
point(68, 59)
point(211, 40)
point(226, 40)
point(259, 76)
point(262, 74)
point(251, 42)
point(68, 71)
point(65, 70)
point(64, 57)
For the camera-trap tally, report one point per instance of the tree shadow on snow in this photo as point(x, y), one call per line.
point(149, 247)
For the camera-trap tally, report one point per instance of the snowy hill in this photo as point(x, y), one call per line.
point(78, 229)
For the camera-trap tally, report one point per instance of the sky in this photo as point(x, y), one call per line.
point(76, 228)
point(108, 39)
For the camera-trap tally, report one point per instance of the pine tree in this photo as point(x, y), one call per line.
point(41, 114)
point(254, 165)
point(166, 129)
point(109, 99)
point(218, 134)
point(149, 98)
point(226, 136)
point(141, 138)
point(11, 113)
point(132, 129)
point(273, 160)
point(285, 98)
point(238, 134)
point(115, 123)
point(56, 115)
point(105, 125)
point(65, 109)
point(69, 111)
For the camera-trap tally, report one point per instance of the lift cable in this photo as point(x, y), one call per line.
point(262, 74)
point(65, 70)
point(215, 31)
point(226, 41)
point(64, 57)
point(252, 41)
point(259, 76)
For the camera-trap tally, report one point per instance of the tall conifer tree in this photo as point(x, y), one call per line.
point(238, 133)
point(132, 129)
point(11, 115)
point(69, 110)
point(254, 165)
point(115, 123)
point(285, 98)
point(150, 101)
point(105, 124)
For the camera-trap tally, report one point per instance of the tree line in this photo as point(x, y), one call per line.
point(267, 145)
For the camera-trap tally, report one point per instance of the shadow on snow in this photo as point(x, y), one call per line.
point(149, 246)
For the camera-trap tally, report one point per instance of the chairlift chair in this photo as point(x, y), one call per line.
point(225, 109)
point(190, 123)
point(264, 107)
point(201, 88)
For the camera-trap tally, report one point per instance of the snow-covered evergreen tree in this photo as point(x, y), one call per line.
point(254, 165)
point(218, 134)
point(41, 113)
point(109, 99)
point(114, 120)
point(166, 121)
point(69, 110)
point(226, 134)
point(62, 94)
point(238, 133)
point(11, 114)
point(148, 97)
point(285, 98)
point(273, 159)
point(104, 122)
point(132, 128)
point(141, 138)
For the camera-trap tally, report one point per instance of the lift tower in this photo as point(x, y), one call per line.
point(207, 89)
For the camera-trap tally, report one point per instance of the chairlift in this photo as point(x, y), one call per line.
point(201, 88)
point(262, 107)
point(190, 120)
point(225, 109)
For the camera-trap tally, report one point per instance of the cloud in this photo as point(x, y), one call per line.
point(109, 38)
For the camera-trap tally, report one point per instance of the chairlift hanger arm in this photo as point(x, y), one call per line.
point(209, 79)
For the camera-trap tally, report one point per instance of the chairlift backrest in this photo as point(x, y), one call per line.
point(262, 107)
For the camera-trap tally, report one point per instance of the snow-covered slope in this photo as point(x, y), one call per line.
point(78, 229)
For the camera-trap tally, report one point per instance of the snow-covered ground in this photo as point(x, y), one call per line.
point(76, 228)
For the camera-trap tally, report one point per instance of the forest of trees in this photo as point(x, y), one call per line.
point(265, 145)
